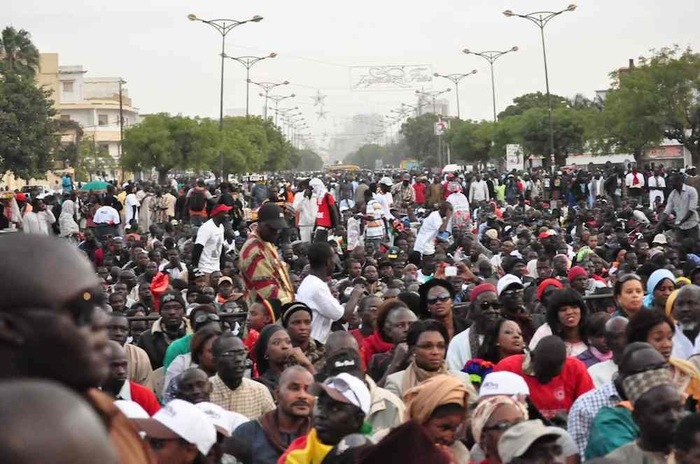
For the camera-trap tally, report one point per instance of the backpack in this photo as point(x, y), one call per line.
point(197, 200)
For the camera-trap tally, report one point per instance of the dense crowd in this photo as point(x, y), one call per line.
point(483, 317)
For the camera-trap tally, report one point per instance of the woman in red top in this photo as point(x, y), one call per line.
point(381, 340)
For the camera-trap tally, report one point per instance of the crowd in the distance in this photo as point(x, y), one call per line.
point(468, 318)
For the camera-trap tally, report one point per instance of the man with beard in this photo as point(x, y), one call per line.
point(118, 385)
point(60, 310)
point(272, 433)
point(485, 310)
point(139, 365)
point(341, 406)
point(165, 330)
point(686, 312)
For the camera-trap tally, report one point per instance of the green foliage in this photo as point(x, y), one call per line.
point(530, 101)
point(18, 55)
point(27, 131)
point(309, 161)
point(470, 141)
point(420, 138)
point(366, 155)
point(659, 98)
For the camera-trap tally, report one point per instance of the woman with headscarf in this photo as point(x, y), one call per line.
point(274, 353)
point(296, 319)
point(460, 206)
point(66, 220)
point(439, 405)
point(660, 285)
point(491, 418)
point(327, 217)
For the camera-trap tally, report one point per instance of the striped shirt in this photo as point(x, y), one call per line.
point(251, 399)
point(584, 410)
point(264, 273)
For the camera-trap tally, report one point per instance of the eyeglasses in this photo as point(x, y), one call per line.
point(512, 293)
point(491, 304)
point(202, 318)
point(501, 426)
point(441, 299)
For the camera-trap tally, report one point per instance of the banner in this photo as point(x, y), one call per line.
point(391, 77)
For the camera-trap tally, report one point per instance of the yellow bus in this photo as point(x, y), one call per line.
point(341, 168)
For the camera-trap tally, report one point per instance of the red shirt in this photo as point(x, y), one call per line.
point(323, 217)
point(419, 188)
point(560, 393)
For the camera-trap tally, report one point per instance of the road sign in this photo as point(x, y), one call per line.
point(441, 127)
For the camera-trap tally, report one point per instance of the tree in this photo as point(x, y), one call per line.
point(367, 154)
point(28, 134)
point(421, 139)
point(529, 101)
point(568, 132)
point(309, 161)
point(658, 99)
point(470, 141)
point(18, 55)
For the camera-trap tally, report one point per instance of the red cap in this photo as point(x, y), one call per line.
point(220, 209)
point(481, 288)
point(21, 196)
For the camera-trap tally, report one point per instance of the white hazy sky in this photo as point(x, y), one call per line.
point(172, 65)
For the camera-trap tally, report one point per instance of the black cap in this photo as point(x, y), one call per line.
point(271, 214)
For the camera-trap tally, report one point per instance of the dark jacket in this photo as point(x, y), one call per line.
point(155, 343)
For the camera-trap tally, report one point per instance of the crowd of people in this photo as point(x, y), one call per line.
point(382, 317)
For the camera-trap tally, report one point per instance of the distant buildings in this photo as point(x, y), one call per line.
point(93, 103)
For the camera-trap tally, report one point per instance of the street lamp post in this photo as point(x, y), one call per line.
point(248, 62)
point(223, 27)
point(277, 99)
point(455, 79)
point(541, 19)
point(267, 87)
point(433, 95)
point(491, 56)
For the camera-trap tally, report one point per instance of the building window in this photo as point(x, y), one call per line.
point(68, 86)
point(65, 117)
point(104, 148)
point(102, 120)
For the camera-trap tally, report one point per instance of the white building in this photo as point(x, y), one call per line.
point(94, 104)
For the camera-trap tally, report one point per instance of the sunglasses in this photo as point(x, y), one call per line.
point(510, 293)
point(202, 318)
point(501, 426)
point(441, 299)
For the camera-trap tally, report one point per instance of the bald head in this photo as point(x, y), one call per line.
point(30, 411)
point(615, 334)
point(114, 350)
point(32, 262)
point(291, 373)
point(340, 340)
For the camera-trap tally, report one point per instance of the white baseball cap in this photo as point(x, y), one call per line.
point(503, 383)
point(506, 281)
point(224, 421)
point(347, 388)
point(180, 419)
point(386, 181)
point(517, 440)
point(131, 409)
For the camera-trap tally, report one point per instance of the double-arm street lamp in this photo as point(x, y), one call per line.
point(267, 87)
point(491, 56)
point(433, 95)
point(248, 62)
point(223, 26)
point(455, 79)
point(277, 99)
point(541, 19)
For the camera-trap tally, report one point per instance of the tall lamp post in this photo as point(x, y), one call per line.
point(277, 99)
point(491, 56)
point(541, 19)
point(432, 95)
point(248, 62)
point(223, 27)
point(455, 79)
point(267, 87)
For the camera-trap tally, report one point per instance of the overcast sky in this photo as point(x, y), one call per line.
point(172, 64)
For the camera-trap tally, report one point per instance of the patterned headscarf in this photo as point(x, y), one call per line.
point(637, 385)
point(422, 400)
point(487, 407)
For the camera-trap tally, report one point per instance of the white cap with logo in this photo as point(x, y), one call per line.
point(347, 388)
point(180, 419)
point(503, 383)
point(224, 421)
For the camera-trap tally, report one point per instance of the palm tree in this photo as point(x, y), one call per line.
point(18, 55)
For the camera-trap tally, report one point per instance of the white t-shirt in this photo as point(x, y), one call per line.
point(374, 228)
point(459, 351)
point(602, 372)
point(316, 295)
point(211, 237)
point(129, 204)
point(428, 231)
point(106, 215)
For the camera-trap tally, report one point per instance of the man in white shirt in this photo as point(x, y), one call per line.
point(686, 313)
point(656, 184)
point(635, 183)
point(478, 191)
point(683, 204)
point(436, 222)
point(316, 294)
point(614, 333)
point(209, 245)
point(106, 220)
point(306, 208)
point(131, 204)
point(38, 220)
